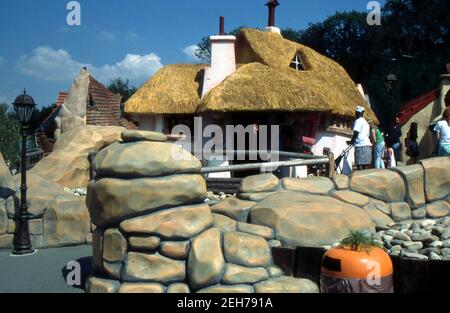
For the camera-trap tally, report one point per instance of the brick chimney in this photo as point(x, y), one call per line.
point(223, 59)
point(271, 28)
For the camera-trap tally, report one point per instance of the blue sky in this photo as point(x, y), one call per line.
point(132, 39)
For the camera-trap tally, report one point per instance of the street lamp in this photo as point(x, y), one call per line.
point(389, 82)
point(24, 107)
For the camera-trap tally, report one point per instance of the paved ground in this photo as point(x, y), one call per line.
point(44, 271)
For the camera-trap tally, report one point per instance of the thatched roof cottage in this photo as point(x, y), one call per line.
point(257, 77)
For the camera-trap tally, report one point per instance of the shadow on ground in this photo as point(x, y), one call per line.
point(70, 271)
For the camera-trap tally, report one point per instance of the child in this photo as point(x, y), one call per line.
point(390, 155)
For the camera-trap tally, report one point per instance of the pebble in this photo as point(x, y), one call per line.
point(445, 251)
point(425, 238)
point(446, 243)
point(436, 244)
point(412, 245)
point(434, 256)
point(427, 223)
point(414, 256)
point(387, 238)
point(396, 248)
point(402, 236)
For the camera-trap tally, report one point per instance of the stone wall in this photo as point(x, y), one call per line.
point(320, 211)
point(155, 234)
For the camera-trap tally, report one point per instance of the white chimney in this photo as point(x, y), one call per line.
point(223, 60)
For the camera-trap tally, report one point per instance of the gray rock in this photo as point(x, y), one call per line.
point(445, 251)
point(144, 243)
point(286, 285)
point(388, 238)
point(426, 223)
point(313, 185)
point(141, 288)
point(412, 245)
point(400, 211)
point(227, 289)
point(446, 258)
point(309, 220)
point(175, 224)
point(246, 250)
point(178, 288)
point(139, 135)
point(396, 248)
point(402, 236)
point(99, 285)
point(236, 274)
point(427, 251)
point(381, 206)
point(205, 261)
point(436, 244)
point(259, 183)
point(446, 243)
point(258, 230)
point(141, 267)
point(235, 209)
point(177, 250)
point(109, 200)
point(425, 238)
point(437, 181)
point(438, 231)
point(275, 244)
point(434, 256)
point(224, 223)
point(383, 185)
point(396, 242)
point(413, 176)
point(414, 256)
point(144, 159)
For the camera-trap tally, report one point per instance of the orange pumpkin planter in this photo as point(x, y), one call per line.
point(356, 269)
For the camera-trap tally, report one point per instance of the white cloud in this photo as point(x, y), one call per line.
point(107, 35)
point(131, 35)
point(189, 51)
point(49, 64)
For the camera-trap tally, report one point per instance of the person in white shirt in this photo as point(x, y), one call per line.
point(442, 130)
point(361, 140)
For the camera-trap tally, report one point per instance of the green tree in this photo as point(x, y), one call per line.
point(204, 46)
point(122, 87)
point(9, 135)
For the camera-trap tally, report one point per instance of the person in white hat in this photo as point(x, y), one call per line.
point(361, 140)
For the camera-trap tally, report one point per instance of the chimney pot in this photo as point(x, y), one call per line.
point(222, 26)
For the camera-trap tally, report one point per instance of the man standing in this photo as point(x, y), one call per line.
point(361, 140)
point(394, 137)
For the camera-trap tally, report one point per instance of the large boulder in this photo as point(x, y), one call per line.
point(413, 176)
point(315, 185)
point(259, 183)
point(141, 267)
point(174, 224)
point(438, 209)
point(234, 208)
point(246, 250)
point(68, 164)
point(400, 211)
point(140, 135)
point(309, 220)
point(236, 274)
point(351, 197)
point(109, 199)
point(437, 178)
point(144, 159)
point(7, 187)
point(205, 261)
point(384, 185)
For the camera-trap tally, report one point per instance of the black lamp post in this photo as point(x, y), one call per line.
point(23, 106)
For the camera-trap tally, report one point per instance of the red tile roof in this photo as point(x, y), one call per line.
point(61, 97)
point(416, 105)
point(104, 107)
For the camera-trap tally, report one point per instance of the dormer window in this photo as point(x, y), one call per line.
point(297, 63)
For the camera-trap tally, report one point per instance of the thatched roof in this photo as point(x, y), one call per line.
point(175, 89)
point(264, 82)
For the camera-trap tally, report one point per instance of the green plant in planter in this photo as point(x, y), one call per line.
point(360, 239)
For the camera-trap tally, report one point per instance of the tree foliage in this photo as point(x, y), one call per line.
point(122, 87)
point(413, 43)
point(10, 137)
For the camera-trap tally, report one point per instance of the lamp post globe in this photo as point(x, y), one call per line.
point(24, 107)
point(389, 82)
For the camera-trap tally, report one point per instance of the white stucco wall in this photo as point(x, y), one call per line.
point(150, 122)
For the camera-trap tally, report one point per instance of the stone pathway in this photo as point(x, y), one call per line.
point(43, 272)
